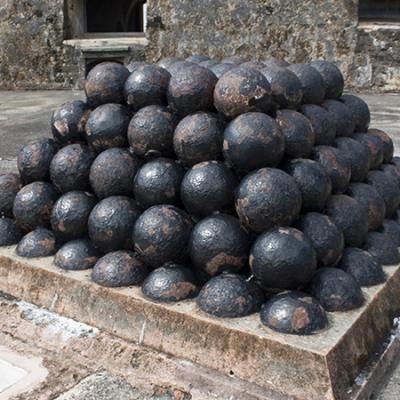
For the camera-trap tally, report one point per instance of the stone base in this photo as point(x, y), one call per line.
point(321, 367)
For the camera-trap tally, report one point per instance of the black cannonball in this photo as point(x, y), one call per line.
point(242, 90)
point(178, 66)
point(351, 218)
point(158, 182)
point(34, 159)
point(76, 255)
point(219, 243)
point(39, 243)
point(197, 58)
point(167, 62)
point(10, 185)
point(151, 132)
point(391, 170)
point(118, 269)
point(69, 217)
point(326, 238)
point(208, 187)
point(388, 147)
point(332, 76)
point(161, 235)
point(33, 205)
point(298, 132)
point(170, 283)
point(336, 290)
point(209, 64)
point(391, 229)
point(267, 197)
point(111, 222)
point(235, 60)
point(221, 68)
point(321, 122)
point(9, 232)
point(362, 266)
point(68, 122)
point(360, 111)
point(375, 148)
point(294, 313)
point(112, 173)
point(336, 165)
point(257, 65)
point(107, 127)
point(341, 116)
point(134, 65)
point(105, 84)
point(253, 140)
point(229, 296)
point(384, 250)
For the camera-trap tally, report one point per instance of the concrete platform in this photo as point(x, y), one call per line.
point(321, 367)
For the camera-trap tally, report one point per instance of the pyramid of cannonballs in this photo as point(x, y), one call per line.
point(246, 185)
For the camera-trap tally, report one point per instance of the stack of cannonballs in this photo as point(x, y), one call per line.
point(248, 185)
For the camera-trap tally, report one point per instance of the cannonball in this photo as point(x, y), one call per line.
point(191, 89)
point(76, 255)
point(235, 60)
point(321, 122)
point(275, 62)
point(111, 222)
point(388, 147)
point(362, 266)
point(197, 58)
point(151, 132)
point(257, 65)
point(39, 243)
point(178, 66)
point(69, 217)
point(267, 197)
point(134, 65)
point(325, 237)
point(107, 127)
point(209, 64)
point(391, 170)
point(253, 140)
point(298, 132)
point(391, 229)
point(33, 205)
point(221, 68)
point(167, 62)
point(10, 184)
point(332, 76)
point(112, 173)
point(242, 90)
point(9, 232)
point(360, 111)
point(229, 296)
point(170, 283)
point(198, 137)
point(158, 182)
point(34, 159)
point(384, 250)
point(118, 269)
point(208, 187)
point(68, 122)
point(375, 148)
point(105, 84)
point(219, 243)
point(294, 313)
point(341, 116)
point(336, 290)
point(283, 258)
point(161, 235)
point(347, 214)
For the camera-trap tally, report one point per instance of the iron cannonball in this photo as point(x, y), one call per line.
point(257, 65)
point(9, 232)
point(197, 58)
point(375, 148)
point(332, 76)
point(41, 242)
point(391, 229)
point(167, 62)
point(221, 68)
point(10, 185)
point(391, 170)
point(360, 111)
point(388, 147)
point(235, 60)
point(273, 61)
point(341, 116)
point(321, 122)
point(179, 66)
point(384, 250)
point(209, 64)
point(134, 65)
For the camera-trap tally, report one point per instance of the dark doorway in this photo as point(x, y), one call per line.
point(380, 10)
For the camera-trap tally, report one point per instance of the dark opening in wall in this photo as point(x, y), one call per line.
point(379, 10)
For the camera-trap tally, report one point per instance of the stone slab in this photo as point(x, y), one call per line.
point(321, 367)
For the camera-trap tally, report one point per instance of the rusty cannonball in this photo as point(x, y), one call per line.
point(335, 164)
point(112, 173)
point(161, 235)
point(219, 243)
point(242, 90)
point(134, 65)
point(33, 205)
point(105, 84)
point(70, 167)
point(191, 89)
point(336, 290)
point(151, 131)
point(198, 137)
point(167, 62)
point(321, 122)
point(208, 187)
point(118, 269)
point(170, 283)
point(158, 182)
point(111, 222)
point(312, 83)
point(197, 58)
point(10, 185)
point(391, 229)
point(384, 250)
point(69, 217)
point(34, 159)
point(332, 76)
point(298, 132)
point(360, 111)
point(388, 147)
point(229, 296)
point(351, 218)
point(39, 243)
point(267, 197)
point(341, 116)
point(362, 266)
point(253, 140)
point(375, 148)
point(68, 122)
point(76, 255)
point(9, 232)
point(325, 237)
point(312, 180)
point(294, 313)
point(221, 68)
point(234, 60)
point(107, 127)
